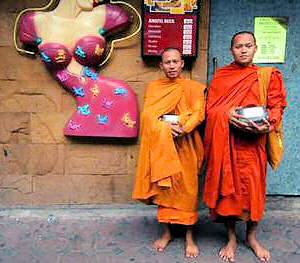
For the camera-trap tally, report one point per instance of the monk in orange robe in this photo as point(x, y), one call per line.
point(235, 183)
point(171, 151)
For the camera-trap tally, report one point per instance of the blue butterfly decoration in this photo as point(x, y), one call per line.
point(38, 40)
point(120, 92)
point(78, 92)
point(84, 110)
point(80, 52)
point(90, 74)
point(45, 57)
point(102, 119)
point(102, 31)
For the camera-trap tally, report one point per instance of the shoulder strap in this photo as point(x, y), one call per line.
point(264, 76)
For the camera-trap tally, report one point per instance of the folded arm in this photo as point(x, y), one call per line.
point(197, 113)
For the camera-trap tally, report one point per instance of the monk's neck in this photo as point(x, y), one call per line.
point(248, 65)
point(172, 79)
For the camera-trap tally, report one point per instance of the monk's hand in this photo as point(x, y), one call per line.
point(176, 129)
point(265, 127)
point(238, 120)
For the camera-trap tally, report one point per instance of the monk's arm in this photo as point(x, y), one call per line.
point(276, 100)
point(198, 109)
point(149, 110)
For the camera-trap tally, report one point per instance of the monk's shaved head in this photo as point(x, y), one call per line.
point(241, 33)
point(169, 49)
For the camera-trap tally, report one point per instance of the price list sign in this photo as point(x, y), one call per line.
point(170, 23)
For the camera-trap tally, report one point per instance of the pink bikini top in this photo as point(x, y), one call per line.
point(87, 51)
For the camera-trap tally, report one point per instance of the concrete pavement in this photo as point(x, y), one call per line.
point(124, 233)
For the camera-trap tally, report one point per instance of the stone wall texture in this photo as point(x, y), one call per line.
point(38, 164)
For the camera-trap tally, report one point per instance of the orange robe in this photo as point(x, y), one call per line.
point(167, 167)
point(235, 183)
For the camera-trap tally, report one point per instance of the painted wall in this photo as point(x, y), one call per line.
point(228, 17)
point(38, 164)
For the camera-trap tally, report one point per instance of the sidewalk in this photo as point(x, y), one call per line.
point(124, 233)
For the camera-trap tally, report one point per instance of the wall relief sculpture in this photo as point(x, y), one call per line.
point(73, 38)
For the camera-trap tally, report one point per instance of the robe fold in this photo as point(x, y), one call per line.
point(235, 183)
point(168, 167)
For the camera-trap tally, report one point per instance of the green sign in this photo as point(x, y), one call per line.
point(270, 33)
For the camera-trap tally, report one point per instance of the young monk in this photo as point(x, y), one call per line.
point(171, 153)
point(235, 184)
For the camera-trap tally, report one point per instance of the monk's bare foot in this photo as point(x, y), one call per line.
point(262, 253)
point(161, 243)
point(227, 253)
point(191, 248)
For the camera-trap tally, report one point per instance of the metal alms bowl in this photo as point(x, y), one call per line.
point(255, 114)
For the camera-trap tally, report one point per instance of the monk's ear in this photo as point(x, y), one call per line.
point(182, 63)
point(161, 65)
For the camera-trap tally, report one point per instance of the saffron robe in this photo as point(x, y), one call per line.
point(235, 183)
point(168, 167)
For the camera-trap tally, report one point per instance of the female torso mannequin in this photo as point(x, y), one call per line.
point(71, 42)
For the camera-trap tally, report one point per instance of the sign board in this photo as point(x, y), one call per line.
point(170, 23)
point(270, 33)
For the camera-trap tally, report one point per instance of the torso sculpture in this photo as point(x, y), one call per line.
point(71, 41)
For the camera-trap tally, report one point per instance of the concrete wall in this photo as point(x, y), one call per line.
point(285, 180)
point(38, 164)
